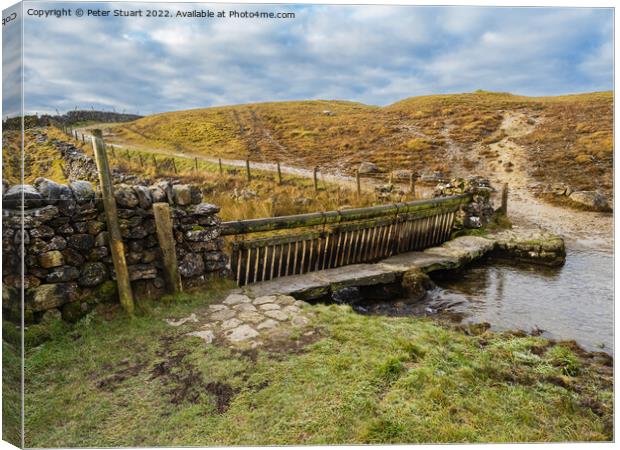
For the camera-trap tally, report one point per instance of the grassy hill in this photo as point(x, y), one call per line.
point(571, 141)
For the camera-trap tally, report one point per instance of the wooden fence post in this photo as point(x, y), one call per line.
point(220, 165)
point(315, 179)
point(174, 165)
point(279, 172)
point(117, 248)
point(83, 140)
point(247, 169)
point(196, 164)
point(163, 224)
point(140, 159)
point(359, 183)
point(412, 184)
point(504, 207)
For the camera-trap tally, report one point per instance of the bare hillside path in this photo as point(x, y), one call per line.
point(582, 229)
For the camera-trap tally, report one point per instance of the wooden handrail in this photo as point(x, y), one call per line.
point(331, 217)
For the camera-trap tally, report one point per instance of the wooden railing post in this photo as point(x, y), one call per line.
point(117, 248)
point(163, 223)
point(247, 169)
point(504, 207)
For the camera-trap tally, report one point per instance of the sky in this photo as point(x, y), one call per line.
point(371, 54)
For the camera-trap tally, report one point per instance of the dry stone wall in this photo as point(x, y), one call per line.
point(67, 260)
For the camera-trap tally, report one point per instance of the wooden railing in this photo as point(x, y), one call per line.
point(338, 238)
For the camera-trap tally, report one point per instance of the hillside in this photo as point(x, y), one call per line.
point(570, 139)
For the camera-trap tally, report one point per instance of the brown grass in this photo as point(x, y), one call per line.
point(572, 141)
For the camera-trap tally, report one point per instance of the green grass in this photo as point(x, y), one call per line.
point(11, 384)
point(140, 382)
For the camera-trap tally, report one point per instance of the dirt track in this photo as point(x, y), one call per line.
point(581, 229)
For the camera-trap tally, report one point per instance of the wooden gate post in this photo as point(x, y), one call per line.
point(504, 207)
point(114, 233)
point(163, 223)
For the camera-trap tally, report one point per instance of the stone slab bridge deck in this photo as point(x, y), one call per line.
point(532, 246)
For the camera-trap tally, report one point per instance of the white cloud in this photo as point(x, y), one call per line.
point(371, 54)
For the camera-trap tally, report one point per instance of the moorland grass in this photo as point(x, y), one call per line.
point(112, 381)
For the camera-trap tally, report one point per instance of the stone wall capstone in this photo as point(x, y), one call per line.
point(67, 261)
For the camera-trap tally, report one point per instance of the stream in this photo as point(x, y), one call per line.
point(570, 302)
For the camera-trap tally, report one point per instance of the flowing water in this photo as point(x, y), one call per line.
point(570, 302)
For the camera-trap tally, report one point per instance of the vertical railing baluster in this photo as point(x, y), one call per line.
point(326, 251)
point(296, 257)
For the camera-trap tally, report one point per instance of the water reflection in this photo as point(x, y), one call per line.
point(571, 302)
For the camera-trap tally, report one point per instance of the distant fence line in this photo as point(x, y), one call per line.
point(168, 163)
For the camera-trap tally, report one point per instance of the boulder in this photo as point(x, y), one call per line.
point(368, 167)
point(208, 234)
point(591, 199)
point(50, 190)
point(57, 243)
point(93, 274)
point(416, 283)
point(51, 259)
point(191, 265)
point(81, 242)
point(145, 199)
point(95, 227)
point(12, 198)
point(48, 296)
point(101, 239)
point(65, 229)
point(98, 253)
point(559, 189)
point(166, 188)
point(82, 191)
point(206, 209)
point(182, 194)
point(62, 274)
point(125, 196)
point(72, 257)
point(158, 195)
point(142, 272)
point(42, 231)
